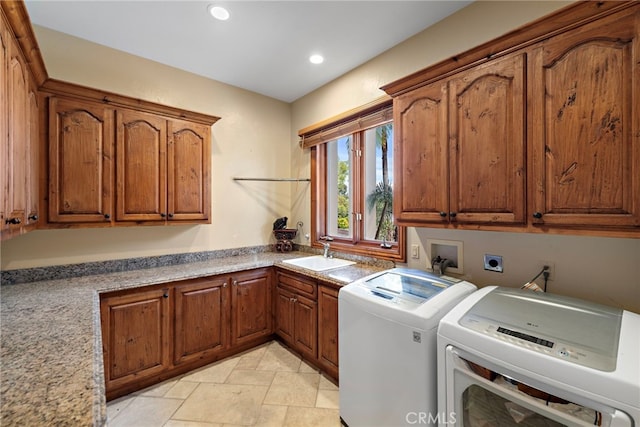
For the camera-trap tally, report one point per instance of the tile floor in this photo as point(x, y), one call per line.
point(265, 386)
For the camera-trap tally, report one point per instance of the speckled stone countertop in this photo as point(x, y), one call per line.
point(51, 349)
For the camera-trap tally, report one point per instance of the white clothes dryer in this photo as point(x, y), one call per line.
point(512, 357)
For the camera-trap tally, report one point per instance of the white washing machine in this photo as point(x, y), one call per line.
point(512, 357)
point(387, 338)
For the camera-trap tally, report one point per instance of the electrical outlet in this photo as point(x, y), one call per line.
point(493, 263)
point(415, 251)
point(551, 270)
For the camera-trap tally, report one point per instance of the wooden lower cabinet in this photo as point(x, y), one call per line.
point(328, 329)
point(153, 333)
point(136, 331)
point(201, 318)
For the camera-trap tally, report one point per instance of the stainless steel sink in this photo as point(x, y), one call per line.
point(318, 263)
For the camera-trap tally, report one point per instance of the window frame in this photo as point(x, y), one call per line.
point(353, 123)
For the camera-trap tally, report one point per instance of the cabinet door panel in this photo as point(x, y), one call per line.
point(328, 329)
point(135, 333)
point(251, 306)
point(4, 125)
point(18, 134)
point(421, 187)
point(586, 134)
point(305, 320)
point(33, 164)
point(142, 167)
point(81, 143)
point(488, 143)
point(201, 320)
point(284, 315)
point(188, 155)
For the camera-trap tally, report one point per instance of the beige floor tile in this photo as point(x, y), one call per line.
point(177, 423)
point(116, 406)
point(326, 384)
point(223, 403)
point(158, 390)
point(312, 417)
point(146, 411)
point(181, 389)
point(278, 358)
point(307, 368)
point(250, 377)
point(272, 416)
point(328, 399)
point(215, 373)
point(293, 389)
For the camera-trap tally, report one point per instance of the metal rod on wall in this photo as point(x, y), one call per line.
point(272, 179)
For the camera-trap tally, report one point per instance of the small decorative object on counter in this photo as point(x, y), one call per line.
point(284, 239)
point(280, 223)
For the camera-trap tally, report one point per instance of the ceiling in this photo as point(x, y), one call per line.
point(264, 46)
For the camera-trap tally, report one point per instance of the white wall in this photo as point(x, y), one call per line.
point(599, 269)
point(251, 139)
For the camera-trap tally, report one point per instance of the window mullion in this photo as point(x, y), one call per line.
point(358, 193)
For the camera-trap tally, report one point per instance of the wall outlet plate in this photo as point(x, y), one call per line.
point(493, 263)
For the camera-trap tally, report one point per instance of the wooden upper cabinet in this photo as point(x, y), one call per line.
point(460, 147)
point(142, 167)
point(189, 165)
point(33, 159)
point(585, 125)
point(18, 130)
point(81, 148)
point(421, 187)
point(4, 125)
point(487, 143)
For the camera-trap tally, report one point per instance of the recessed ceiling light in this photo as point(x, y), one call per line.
point(316, 59)
point(219, 12)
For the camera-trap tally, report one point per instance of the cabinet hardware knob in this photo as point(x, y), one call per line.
point(13, 221)
point(452, 214)
point(33, 217)
point(443, 214)
point(224, 285)
point(107, 216)
point(235, 283)
point(170, 215)
point(166, 295)
point(537, 215)
point(163, 215)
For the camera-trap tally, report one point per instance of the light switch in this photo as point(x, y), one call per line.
point(415, 251)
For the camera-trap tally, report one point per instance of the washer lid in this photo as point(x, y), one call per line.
point(579, 331)
point(413, 286)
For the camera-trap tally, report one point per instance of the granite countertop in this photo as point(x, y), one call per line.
point(51, 348)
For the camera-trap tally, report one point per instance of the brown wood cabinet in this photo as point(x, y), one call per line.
point(154, 333)
point(19, 138)
point(112, 165)
point(201, 318)
point(251, 306)
point(536, 131)
point(460, 147)
point(328, 329)
point(296, 312)
point(136, 336)
point(585, 125)
point(81, 150)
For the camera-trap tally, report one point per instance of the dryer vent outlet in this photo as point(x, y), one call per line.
point(493, 263)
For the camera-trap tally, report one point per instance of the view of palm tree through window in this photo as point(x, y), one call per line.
point(374, 157)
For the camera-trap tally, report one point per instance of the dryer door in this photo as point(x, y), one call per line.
point(480, 394)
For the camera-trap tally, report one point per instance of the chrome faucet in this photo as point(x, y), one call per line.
point(326, 247)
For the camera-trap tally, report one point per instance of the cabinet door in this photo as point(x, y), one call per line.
point(201, 318)
point(284, 315)
point(421, 190)
point(33, 159)
point(328, 329)
point(189, 165)
point(142, 167)
point(18, 129)
point(305, 324)
point(4, 126)
point(585, 138)
point(487, 143)
point(251, 306)
point(81, 143)
point(135, 336)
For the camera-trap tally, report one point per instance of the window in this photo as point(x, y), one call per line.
point(352, 185)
